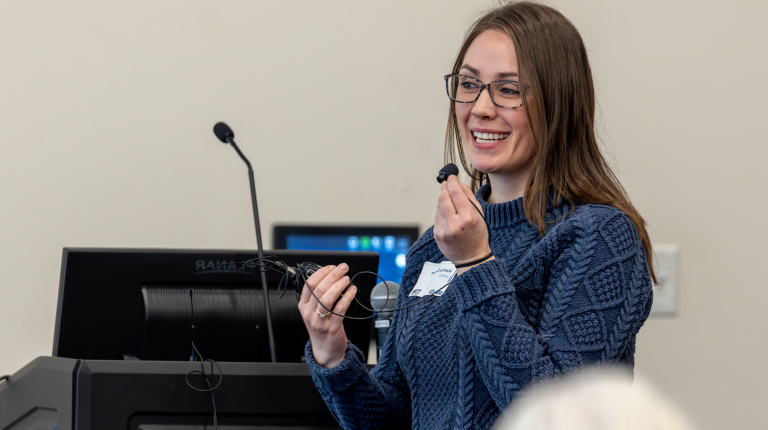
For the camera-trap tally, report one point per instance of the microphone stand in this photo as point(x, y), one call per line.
point(272, 352)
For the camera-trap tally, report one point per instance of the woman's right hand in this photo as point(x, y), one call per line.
point(329, 341)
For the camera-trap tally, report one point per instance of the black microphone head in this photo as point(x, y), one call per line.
point(222, 131)
point(445, 172)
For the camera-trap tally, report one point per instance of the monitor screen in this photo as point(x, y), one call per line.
point(139, 303)
point(391, 243)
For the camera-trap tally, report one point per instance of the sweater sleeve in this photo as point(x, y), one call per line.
point(381, 398)
point(360, 399)
point(593, 280)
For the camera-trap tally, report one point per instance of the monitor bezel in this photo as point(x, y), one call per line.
point(68, 299)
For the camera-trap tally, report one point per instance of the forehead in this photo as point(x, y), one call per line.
point(492, 53)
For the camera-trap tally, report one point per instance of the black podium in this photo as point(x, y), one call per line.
point(55, 393)
point(120, 360)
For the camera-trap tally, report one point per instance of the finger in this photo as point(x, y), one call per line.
point(440, 227)
point(329, 298)
point(436, 229)
point(445, 205)
point(312, 283)
point(345, 301)
point(327, 282)
point(458, 196)
point(305, 296)
point(439, 216)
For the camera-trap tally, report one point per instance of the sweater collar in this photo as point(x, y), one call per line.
point(500, 214)
point(506, 214)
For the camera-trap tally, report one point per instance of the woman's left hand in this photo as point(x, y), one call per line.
point(460, 231)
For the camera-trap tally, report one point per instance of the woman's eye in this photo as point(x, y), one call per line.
point(509, 91)
point(469, 85)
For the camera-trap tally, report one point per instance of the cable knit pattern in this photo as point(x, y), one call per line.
point(465, 398)
point(545, 306)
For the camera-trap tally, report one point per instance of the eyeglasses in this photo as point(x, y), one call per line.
point(465, 89)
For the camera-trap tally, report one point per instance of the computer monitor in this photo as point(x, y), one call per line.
point(134, 303)
point(390, 242)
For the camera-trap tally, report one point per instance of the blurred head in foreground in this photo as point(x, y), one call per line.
point(594, 399)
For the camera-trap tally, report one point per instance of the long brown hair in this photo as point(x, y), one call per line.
point(559, 95)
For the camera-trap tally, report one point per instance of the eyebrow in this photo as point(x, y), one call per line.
point(498, 75)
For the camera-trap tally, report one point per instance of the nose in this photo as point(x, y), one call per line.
point(483, 106)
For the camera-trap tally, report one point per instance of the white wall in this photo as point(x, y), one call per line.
point(106, 111)
point(684, 95)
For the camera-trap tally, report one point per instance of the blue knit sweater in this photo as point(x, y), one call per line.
point(543, 307)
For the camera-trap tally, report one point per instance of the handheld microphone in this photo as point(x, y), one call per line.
point(383, 297)
point(226, 135)
point(445, 172)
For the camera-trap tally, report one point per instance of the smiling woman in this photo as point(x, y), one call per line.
point(539, 47)
point(557, 279)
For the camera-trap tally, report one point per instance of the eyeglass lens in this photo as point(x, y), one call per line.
point(466, 90)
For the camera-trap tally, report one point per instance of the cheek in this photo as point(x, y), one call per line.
point(522, 148)
point(519, 121)
point(463, 111)
point(523, 133)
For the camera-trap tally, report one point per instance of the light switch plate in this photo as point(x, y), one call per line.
point(665, 292)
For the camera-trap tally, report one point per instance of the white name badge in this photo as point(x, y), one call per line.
point(433, 278)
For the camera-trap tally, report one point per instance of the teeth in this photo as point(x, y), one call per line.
point(489, 137)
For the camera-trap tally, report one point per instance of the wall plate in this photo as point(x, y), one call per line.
point(665, 292)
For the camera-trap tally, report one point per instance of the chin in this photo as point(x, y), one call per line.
point(486, 166)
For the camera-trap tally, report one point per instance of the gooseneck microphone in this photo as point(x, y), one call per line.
point(383, 301)
point(226, 135)
point(445, 172)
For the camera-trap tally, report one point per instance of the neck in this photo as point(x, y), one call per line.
point(506, 187)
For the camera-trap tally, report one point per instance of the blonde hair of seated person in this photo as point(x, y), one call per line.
point(594, 399)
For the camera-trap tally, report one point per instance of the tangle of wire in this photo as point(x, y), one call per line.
point(270, 262)
point(373, 312)
point(298, 274)
point(202, 368)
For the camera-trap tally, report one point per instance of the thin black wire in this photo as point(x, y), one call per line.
point(280, 289)
point(202, 372)
point(202, 367)
point(205, 377)
point(486, 222)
